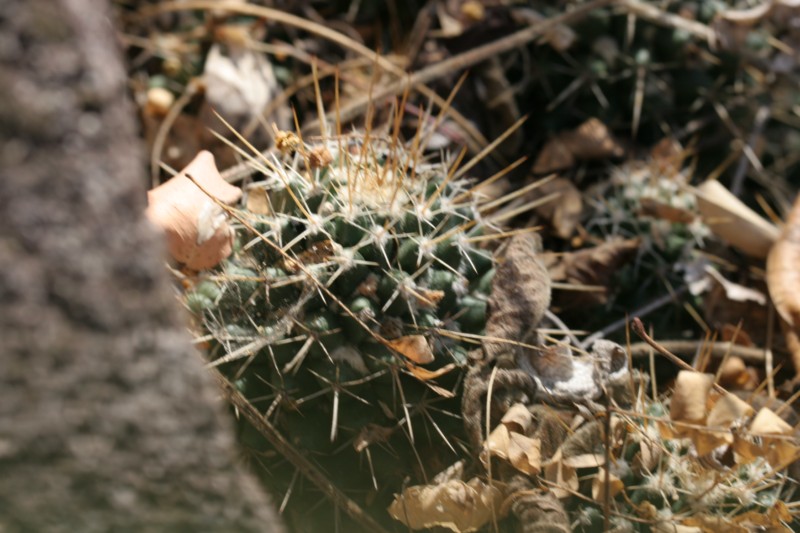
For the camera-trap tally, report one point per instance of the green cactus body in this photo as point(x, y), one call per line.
point(371, 248)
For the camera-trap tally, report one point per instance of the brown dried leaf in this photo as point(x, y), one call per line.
point(706, 441)
point(728, 409)
point(734, 374)
point(455, 505)
point(564, 213)
point(370, 434)
point(589, 141)
point(732, 221)
point(523, 453)
point(647, 457)
point(671, 527)
point(554, 156)
point(196, 228)
point(774, 442)
point(667, 156)
point(736, 292)
point(413, 347)
point(593, 267)
point(257, 201)
point(424, 374)
point(592, 140)
point(714, 523)
point(518, 419)
point(660, 210)
point(564, 478)
point(775, 519)
point(615, 486)
point(688, 402)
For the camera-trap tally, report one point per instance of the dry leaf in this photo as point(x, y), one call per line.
point(554, 156)
point(727, 410)
point(767, 423)
point(564, 478)
point(719, 309)
point(772, 443)
point(732, 221)
point(775, 517)
point(663, 211)
point(560, 37)
point(593, 140)
point(509, 442)
point(615, 486)
point(564, 213)
point(589, 141)
point(413, 347)
point(736, 292)
point(197, 230)
point(648, 456)
point(455, 505)
point(586, 460)
point(590, 267)
point(424, 374)
point(714, 523)
point(518, 418)
point(667, 157)
point(706, 441)
point(370, 434)
point(523, 453)
point(257, 201)
point(688, 402)
point(735, 374)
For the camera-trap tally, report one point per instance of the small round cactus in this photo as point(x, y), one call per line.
point(366, 278)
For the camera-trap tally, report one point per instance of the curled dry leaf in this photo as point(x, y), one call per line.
point(196, 228)
point(564, 213)
point(590, 267)
point(523, 453)
point(424, 374)
point(773, 441)
point(563, 478)
point(727, 410)
point(590, 141)
point(456, 505)
point(736, 292)
point(615, 485)
point(733, 222)
point(509, 442)
point(413, 347)
point(257, 201)
point(690, 397)
point(735, 374)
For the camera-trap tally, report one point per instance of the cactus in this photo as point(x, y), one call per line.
point(367, 276)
